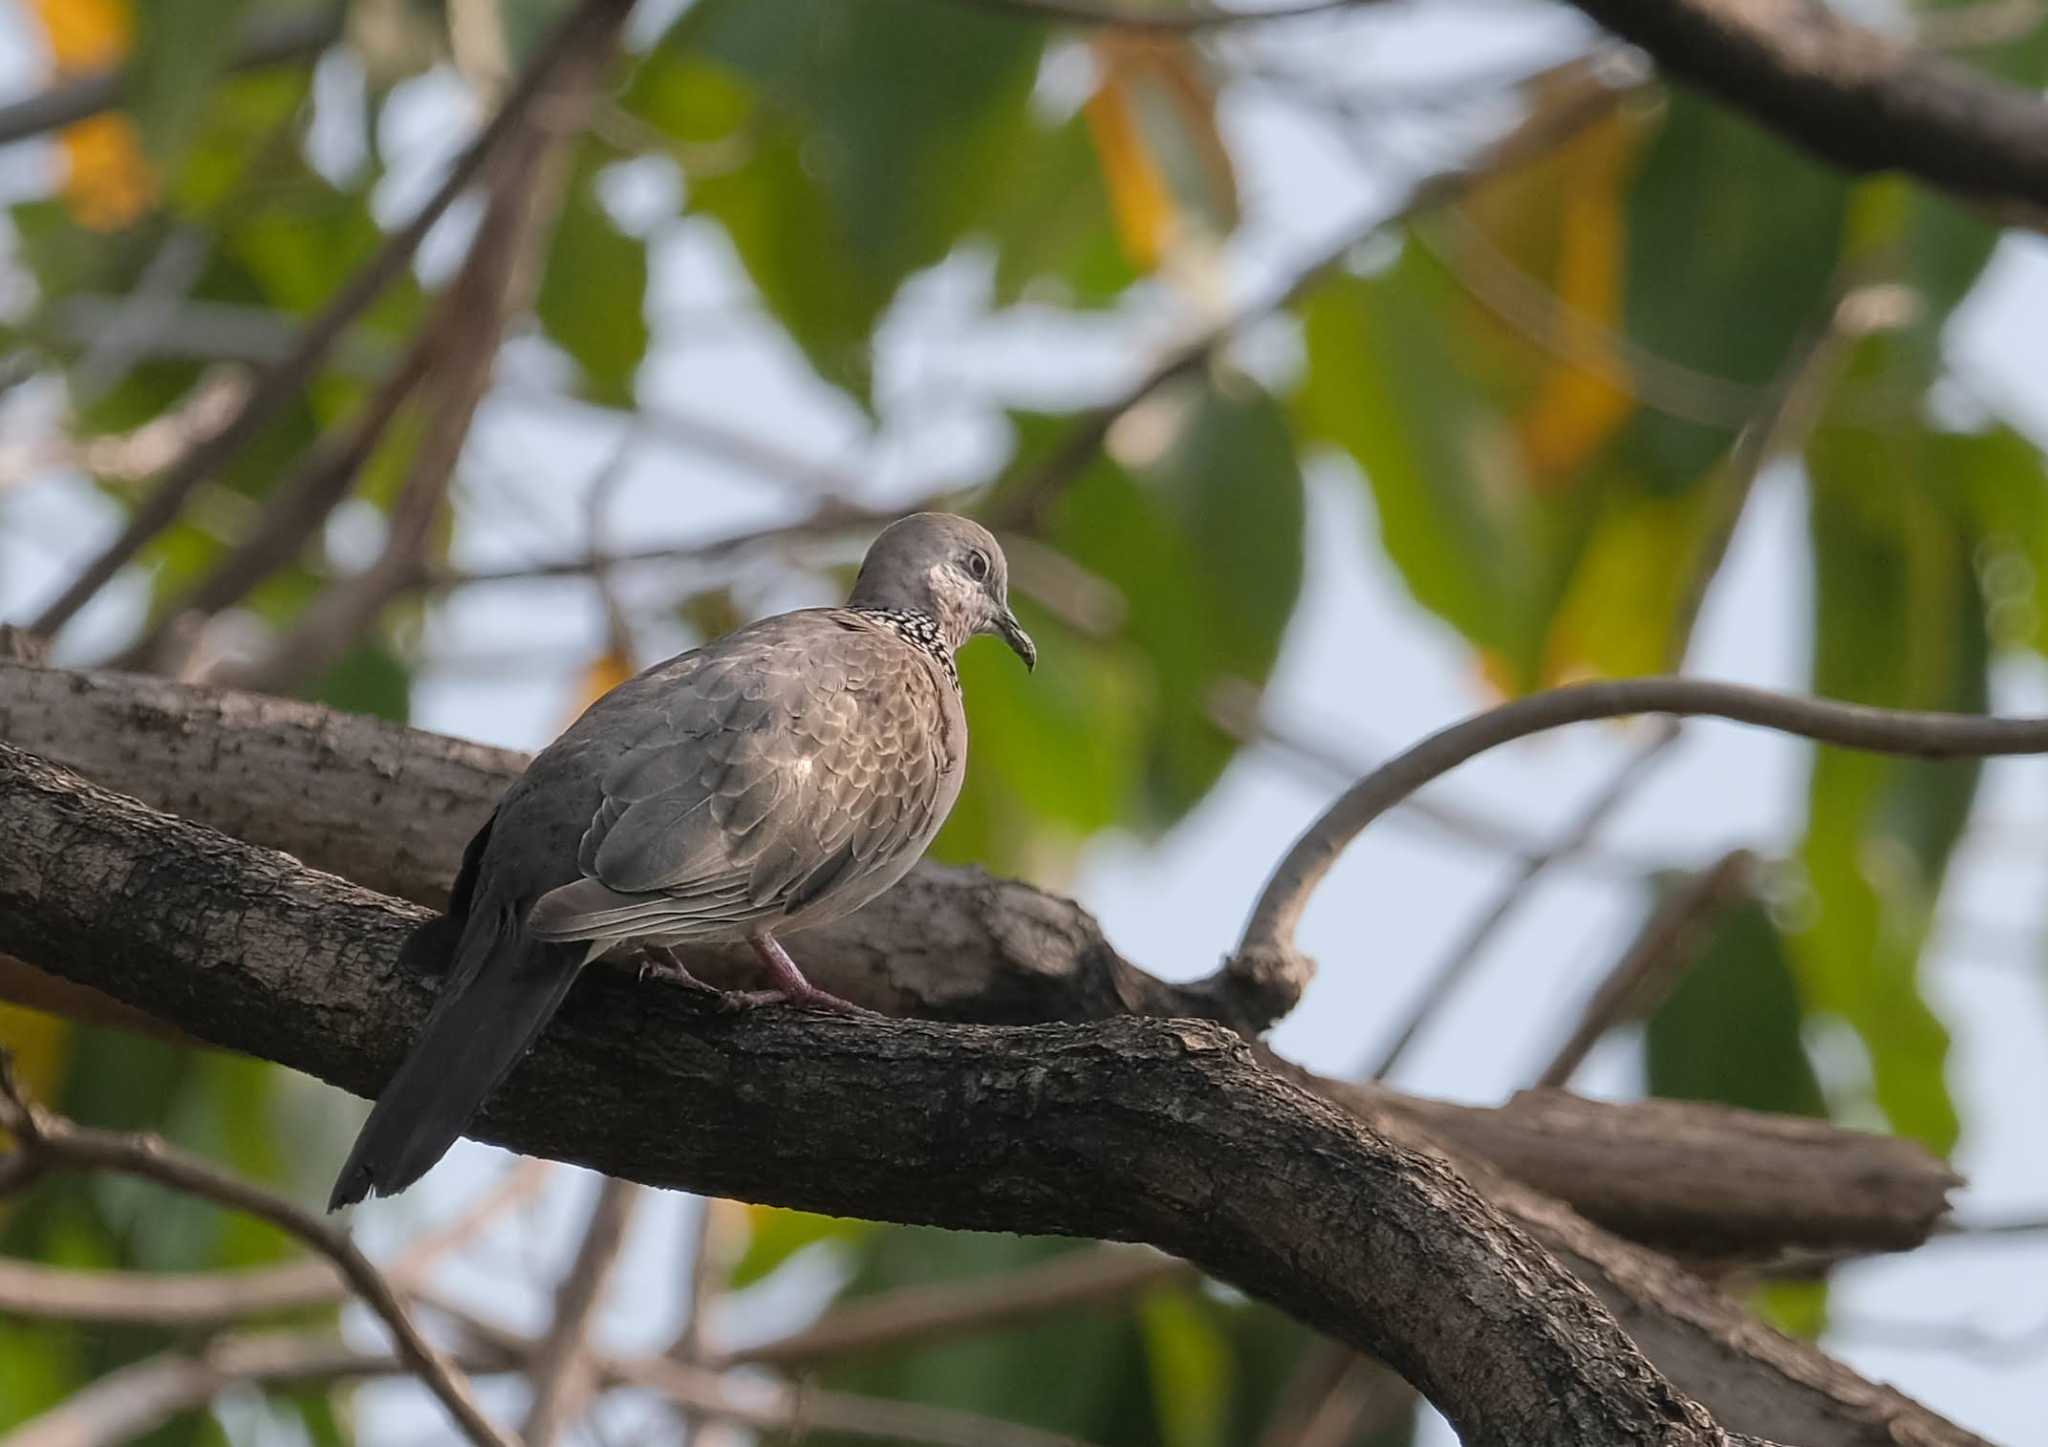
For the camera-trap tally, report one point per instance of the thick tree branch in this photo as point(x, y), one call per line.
point(1163, 1131)
point(392, 808)
point(1865, 101)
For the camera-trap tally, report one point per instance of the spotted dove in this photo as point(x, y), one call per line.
point(771, 781)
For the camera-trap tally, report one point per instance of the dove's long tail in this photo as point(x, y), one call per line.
point(499, 996)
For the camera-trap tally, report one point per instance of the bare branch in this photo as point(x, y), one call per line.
point(280, 383)
point(1144, 17)
point(1268, 974)
point(215, 1298)
point(270, 40)
point(561, 1367)
point(1862, 100)
point(52, 1141)
point(126, 1404)
point(525, 192)
point(915, 1313)
point(786, 1408)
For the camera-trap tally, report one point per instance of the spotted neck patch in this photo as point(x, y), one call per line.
point(921, 631)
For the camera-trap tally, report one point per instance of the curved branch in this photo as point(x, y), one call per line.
point(1267, 968)
point(43, 1139)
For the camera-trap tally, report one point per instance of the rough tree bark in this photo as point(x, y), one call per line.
point(1134, 1129)
point(243, 945)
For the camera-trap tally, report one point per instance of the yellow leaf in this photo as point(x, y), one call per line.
point(39, 1045)
point(1625, 612)
point(1153, 122)
point(1138, 196)
point(86, 34)
point(1576, 409)
point(605, 673)
point(107, 181)
point(1560, 221)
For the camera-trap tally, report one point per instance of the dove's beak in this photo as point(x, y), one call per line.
point(1019, 641)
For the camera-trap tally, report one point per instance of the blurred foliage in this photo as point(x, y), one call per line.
point(1538, 387)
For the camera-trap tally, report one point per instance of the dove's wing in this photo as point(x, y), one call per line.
point(786, 766)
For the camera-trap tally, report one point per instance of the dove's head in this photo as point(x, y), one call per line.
point(948, 568)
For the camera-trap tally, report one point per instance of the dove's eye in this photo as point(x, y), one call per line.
point(977, 566)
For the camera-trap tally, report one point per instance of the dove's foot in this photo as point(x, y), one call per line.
point(665, 965)
point(791, 986)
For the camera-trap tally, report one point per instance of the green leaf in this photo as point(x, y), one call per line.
point(1051, 226)
point(1082, 1372)
point(592, 298)
point(1392, 383)
point(1899, 621)
point(2002, 479)
point(855, 145)
point(1733, 242)
point(1730, 1030)
point(1188, 1353)
point(775, 1234)
point(181, 51)
point(1203, 540)
point(368, 679)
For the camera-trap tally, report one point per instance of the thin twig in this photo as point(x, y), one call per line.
point(280, 383)
point(916, 1313)
point(129, 1402)
point(525, 191)
point(1266, 974)
point(1963, 1339)
point(777, 1408)
point(1663, 951)
point(51, 1140)
point(1235, 708)
point(1990, 1228)
point(1459, 961)
point(561, 1368)
point(1337, 1398)
point(1192, 17)
point(753, 1402)
point(270, 40)
point(293, 514)
point(710, 1258)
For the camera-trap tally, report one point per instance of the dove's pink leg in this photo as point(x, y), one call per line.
point(790, 981)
